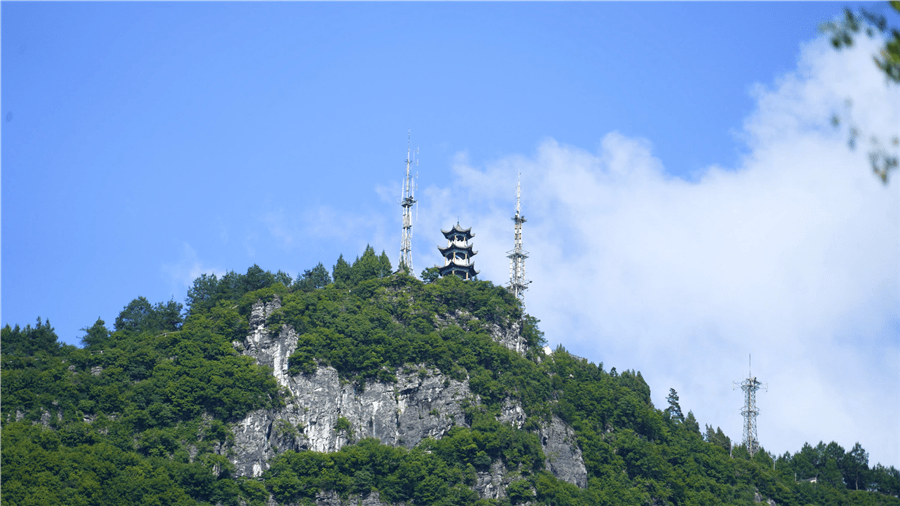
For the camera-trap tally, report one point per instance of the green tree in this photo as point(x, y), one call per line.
point(885, 480)
point(430, 274)
point(140, 316)
point(673, 412)
point(691, 424)
point(385, 267)
point(520, 492)
point(313, 279)
point(29, 341)
point(168, 316)
point(257, 279)
point(230, 287)
point(202, 294)
point(341, 272)
point(283, 278)
point(856, 467)
point(723, 440)
point(366, 267)
point(97, 335)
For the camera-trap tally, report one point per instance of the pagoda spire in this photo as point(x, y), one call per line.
point(517, 282)
point(407, 200)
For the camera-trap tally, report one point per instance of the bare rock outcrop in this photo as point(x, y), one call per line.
point(332, 499)
point(422, 403)
point(323, 413)
point(402, 414)
point(564, 458)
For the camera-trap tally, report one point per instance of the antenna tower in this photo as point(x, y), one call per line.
point(750, 411)
point(407, 200)
point(517, 282)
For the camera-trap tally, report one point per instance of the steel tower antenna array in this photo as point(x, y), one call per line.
point(407, 200)
point(517, 282)
point(750, 411)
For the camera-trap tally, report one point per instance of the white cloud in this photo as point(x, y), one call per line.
point(186, 269)
point(793, 256)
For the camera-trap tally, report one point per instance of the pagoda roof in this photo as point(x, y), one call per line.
point(459, 262)
point(458, 230)
point(457, 246)
point(467, 271)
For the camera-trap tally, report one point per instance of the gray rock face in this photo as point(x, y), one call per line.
point(401, 414)
point(512, 413)
point(331, 499)
point(759, 499)
point(563, 456)
point(511, 337)
point(492, 484)
point(422, 403)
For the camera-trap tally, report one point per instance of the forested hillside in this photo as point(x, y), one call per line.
point(145, 411)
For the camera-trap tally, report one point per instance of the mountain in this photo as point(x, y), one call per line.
point(365, 386)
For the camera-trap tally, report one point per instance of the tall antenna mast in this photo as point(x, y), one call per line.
point(407, 200)
point(517, 282)
point(750, 411)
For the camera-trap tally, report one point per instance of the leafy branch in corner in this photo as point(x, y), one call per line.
point(882, 156)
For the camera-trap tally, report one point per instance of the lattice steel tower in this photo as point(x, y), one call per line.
point(517, 282)
point(407, 200)
point(750, 411)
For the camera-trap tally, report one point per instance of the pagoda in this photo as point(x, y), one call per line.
point(458, 253)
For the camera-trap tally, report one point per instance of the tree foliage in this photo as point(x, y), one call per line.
point(882, 154)
point(141, 316)
point(313, 279)
point(30, 341)
point(142, 413)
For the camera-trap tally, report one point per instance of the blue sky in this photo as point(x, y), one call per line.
point(674, 154)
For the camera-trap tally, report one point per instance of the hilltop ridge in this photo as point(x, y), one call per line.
point(363, 385)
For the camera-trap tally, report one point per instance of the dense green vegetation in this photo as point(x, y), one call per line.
point(140, 414)
point(134, 417)
point(434, 472)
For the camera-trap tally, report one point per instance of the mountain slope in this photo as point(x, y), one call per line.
point(373, 387)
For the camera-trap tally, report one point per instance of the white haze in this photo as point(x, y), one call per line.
point(793, 256)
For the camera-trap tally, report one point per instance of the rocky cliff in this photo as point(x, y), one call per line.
point(322, 412)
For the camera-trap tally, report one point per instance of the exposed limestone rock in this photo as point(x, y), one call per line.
point(492, 484)
point(269, 350)
point(512, 413)
point(399, 414)
point(422, 403)
point(563, 456)
point(45, 418)
point(330, 498)
point(511, 338)
point(757, 498)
